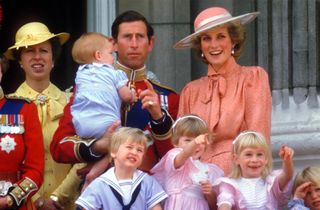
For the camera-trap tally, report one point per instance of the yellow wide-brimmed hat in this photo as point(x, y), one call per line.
point(210, 18)
point(31, 34)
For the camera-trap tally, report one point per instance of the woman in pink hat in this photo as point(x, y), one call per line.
point(230, 98)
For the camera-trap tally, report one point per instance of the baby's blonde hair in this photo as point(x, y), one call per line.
point(247, 139)
point(125, 134)
point(87, 45)
point(188, 125)
point(309, 174)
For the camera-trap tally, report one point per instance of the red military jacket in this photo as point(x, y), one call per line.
point(160, 132)
point(21, 150)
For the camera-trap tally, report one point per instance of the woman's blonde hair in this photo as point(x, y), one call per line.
point(237, 34)
point(125, 134)
point(309, 174)
point(188, 125)
point(84, 48)
point(251, 139)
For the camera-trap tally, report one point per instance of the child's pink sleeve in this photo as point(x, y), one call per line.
point(283, 196)
point(225, 194)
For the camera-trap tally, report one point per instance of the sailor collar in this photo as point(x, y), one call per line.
point(110, 178)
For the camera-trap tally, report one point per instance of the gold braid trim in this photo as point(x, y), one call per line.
point(163, 136)
point(77, 140)
point(21, 191)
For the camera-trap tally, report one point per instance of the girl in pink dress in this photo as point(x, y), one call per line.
point(230, 98)
point(252, 185)
point(186, 180)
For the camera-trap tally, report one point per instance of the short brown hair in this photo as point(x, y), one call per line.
point(237, 34)
point(84, 48)
point(128, 17)
point(190, 126)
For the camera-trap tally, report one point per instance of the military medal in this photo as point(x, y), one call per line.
point(15, 129)
point(3, 123)
point(11, 129)
point(21, 129)
point(6, 129)
point(21, 124)
point(7, 144)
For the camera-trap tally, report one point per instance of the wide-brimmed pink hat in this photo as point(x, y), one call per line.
point(210, 18)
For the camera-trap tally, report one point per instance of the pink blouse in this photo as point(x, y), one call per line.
point(230, 102)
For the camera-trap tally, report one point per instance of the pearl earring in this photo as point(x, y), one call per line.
point(21, 66)
point(232, 51)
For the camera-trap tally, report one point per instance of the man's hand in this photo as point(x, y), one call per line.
point(101, 146)
point(47, 204)
point(150, 101)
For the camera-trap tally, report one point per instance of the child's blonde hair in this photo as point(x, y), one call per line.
point(87, 45)
point(188, 125)
point(125, 134)
point(309, 174)
point(250, 139)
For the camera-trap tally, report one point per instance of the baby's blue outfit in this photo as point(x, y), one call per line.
point(97, 103)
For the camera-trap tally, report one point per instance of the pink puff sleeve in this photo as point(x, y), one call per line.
point(281, 196)
point(225, 194)
point(165, 166)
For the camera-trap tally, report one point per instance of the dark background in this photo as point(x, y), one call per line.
point(60, 16)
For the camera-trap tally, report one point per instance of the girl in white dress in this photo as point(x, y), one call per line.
point(251, 184)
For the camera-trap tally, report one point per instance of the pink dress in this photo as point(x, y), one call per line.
point(230, 102)
point(227, 191)
point(182, 184)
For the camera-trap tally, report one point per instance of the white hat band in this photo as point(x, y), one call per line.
point(214, 18)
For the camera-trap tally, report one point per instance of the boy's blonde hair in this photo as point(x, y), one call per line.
point(251, 139)
point(125, 134)
point(87, 45)
point(309, 174)
point(188, 125)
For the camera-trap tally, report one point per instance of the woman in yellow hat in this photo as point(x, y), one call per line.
point(36, 50)
point(230, 98)
point(21, 150)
